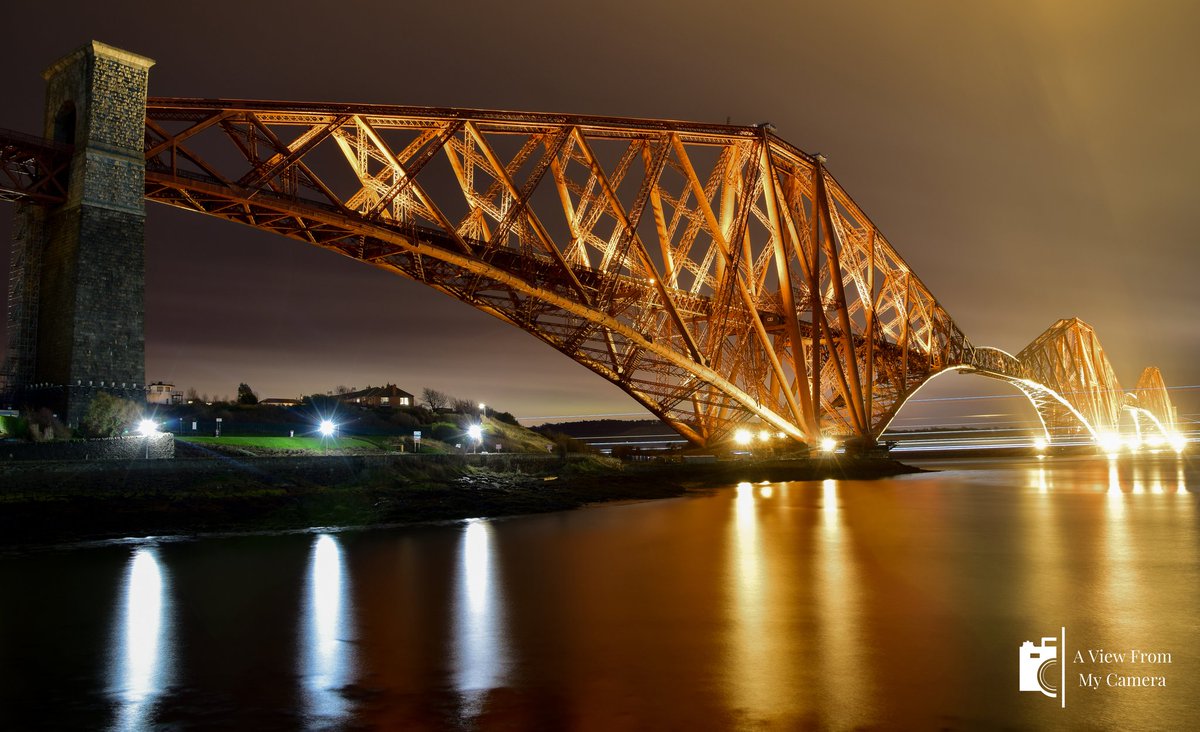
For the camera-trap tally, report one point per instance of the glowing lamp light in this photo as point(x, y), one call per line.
point(475, 432)
point(147, 427)
point(1134, 444)
point(1039, 444)
point(1155, 440)
point(828, 444)
point(326, 428)
point(742, 437)
point(764, 436)
point(1177, 441)
point(1110, 442)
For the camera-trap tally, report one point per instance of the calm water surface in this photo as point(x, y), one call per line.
point(897, 603)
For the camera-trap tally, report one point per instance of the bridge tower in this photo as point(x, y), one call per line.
point(76, 310)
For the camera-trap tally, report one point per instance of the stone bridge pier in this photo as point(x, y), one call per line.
point(76, 310)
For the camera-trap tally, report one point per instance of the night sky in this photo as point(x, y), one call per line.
point(1030, 161)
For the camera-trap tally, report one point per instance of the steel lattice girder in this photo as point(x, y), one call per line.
point(716, 273)
point(32, 170)
point(1068, 358)
point(1150, 397)
point(1067, 376)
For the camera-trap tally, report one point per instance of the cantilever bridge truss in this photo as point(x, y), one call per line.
point(717, 274)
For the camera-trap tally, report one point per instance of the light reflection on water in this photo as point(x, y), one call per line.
point(776, 673)
point(896, 603)
point(480, 653)
point(326, 658)
point(842, 650)
point(140, 662)
point(750, 638)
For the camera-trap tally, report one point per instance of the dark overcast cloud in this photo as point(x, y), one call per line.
point(1030, 160)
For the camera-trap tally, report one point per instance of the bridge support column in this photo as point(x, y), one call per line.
point(76, 310)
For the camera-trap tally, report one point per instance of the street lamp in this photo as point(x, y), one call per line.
point(743, 437)
point(326, 428)
point(147, 428)
point(828, 445)
point(475, 432)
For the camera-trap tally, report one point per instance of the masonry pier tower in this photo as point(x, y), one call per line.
point(76, 309)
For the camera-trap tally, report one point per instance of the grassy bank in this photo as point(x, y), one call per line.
point(315, 445)
point(52, 502)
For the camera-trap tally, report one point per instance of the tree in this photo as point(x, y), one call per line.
point(464, 406)
point(246, 395)
point(192, 394)
point(434, 399)
point(342, 389)
point(109, 416)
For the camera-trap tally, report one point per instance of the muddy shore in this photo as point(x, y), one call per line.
point(64, 501)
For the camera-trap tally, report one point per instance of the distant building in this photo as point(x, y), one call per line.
point(160, 393)
point(280, 402)
point(390, 397)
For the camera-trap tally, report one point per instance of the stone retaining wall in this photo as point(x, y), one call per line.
point(157, 447)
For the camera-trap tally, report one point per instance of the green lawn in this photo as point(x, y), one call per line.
point(287, 443)
point(10, 426)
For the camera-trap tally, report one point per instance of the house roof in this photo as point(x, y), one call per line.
point(375, 391)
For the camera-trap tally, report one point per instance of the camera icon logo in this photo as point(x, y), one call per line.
point(1039, 667)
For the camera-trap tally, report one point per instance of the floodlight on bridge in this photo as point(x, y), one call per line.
point(743, 437)
point(828, 445)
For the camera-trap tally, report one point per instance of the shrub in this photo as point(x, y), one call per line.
point(43, 426)
point(446, 432)
point(404, 420)
point(419, 413)
point(565, 444)
point(108, 416)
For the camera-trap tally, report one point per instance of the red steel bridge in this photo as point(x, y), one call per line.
point(717, 274)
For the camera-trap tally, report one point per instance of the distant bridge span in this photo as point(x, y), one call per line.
point(717, 274)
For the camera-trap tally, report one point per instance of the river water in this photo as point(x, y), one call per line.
point(896, 604)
